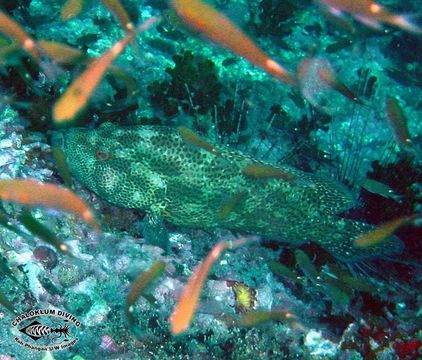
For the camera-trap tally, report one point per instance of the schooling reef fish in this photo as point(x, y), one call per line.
point(370, 13)
point(154, 168)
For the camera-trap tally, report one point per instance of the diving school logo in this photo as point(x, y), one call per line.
point(46, 329)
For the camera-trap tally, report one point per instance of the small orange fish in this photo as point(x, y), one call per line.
point(192, 138)
point(77, 95)
point(43, 232)
point(314, 90)
point(208, 21)
point(283, 271)
point(12, 29)
point(264, 171)
point(306, 266)
point(339, 45)
point(61, 53)
point(65, 54)
point(316, 77)
point(358, 283)
point(398, 122)
point(228, 206)
point(338, 21)
point(61, 165)
point(119, 11)
point(328, 76)
point(188, 302)
point(141, 282)
point(30, 192)
point(71, 9)
point(384, 231)
point(379, 188)
point(258, 317)
point(370, 13)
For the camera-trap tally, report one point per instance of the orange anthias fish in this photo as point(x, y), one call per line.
point(62, 53)
point(380, 189)
point(23, 41)
point(258, 317)
point(30, 192)
point(12, 29)
point(384, 231)
point(43, 232)
point(328, 76)
point(79, 92)
point(119, 11)
point(317, 78)
point(370, 13)
point(141, 282)
point(71, 9)
point(208, 21)
point(398, 122)
point(192, 138)
point(264, 171)
point(183, 312)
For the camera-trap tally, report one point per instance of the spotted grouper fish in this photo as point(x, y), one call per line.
point(193, 183)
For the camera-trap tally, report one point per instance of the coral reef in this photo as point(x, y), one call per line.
point(314, 306)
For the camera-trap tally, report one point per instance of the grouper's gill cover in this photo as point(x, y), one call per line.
point(153, 168)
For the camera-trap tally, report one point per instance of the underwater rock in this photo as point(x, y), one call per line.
point(77, 303)
point(34, 270)
point(319, 347)
point(46, 256)
point(69, 275)
point(108, 344)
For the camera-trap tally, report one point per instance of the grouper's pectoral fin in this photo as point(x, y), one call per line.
point(340, 234)
point(154, 230)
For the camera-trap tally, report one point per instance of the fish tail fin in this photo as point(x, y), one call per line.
point(131, 33)
point(370, 22)
point(407, 22)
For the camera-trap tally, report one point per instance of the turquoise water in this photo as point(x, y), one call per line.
point(296, 128)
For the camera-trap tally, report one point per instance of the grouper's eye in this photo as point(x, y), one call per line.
point(102, 155)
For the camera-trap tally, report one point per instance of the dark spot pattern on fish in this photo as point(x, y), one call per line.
point(188, 185)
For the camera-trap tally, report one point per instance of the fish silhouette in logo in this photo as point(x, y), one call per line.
point(36, 330)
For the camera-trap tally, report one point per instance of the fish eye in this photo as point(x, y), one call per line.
point(102, 155)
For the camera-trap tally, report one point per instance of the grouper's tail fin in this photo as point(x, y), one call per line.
point(340, 243)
